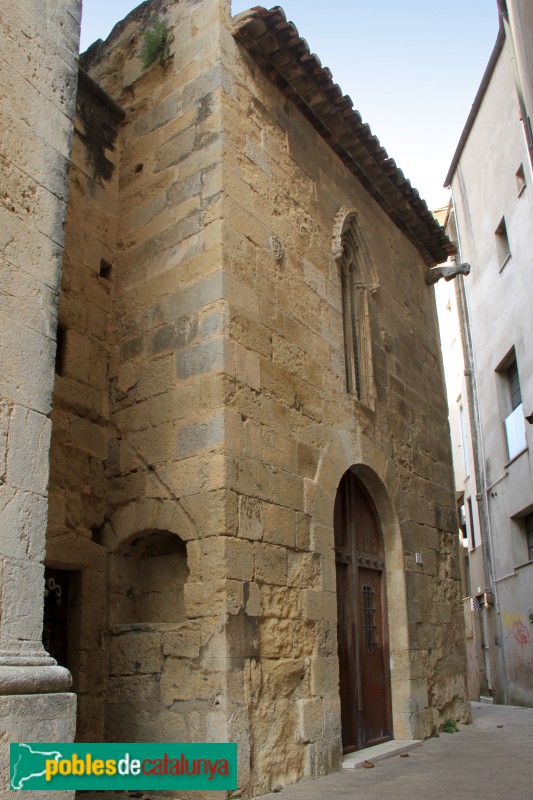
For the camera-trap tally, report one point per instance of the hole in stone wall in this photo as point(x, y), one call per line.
point(148, 579)
point(61, 341)
point(105, 269)
point(138, 168)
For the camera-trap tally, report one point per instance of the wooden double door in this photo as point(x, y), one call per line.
point(362, 619)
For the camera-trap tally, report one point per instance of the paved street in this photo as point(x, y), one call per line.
point(492, 759)
point(488, 760)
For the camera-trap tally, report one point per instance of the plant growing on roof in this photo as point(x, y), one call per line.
point(157, 41)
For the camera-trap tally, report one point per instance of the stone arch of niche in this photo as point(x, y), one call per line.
point(147, 574)
point(85, 563)
point(151, 643)
point(336, 460)
point(359, 283)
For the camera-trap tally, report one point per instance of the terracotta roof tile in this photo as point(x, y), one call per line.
point(278, 49)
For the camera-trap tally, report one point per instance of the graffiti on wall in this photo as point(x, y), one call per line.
point(518, 637)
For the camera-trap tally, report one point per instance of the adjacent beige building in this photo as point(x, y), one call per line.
point(490, 179)
point(250, 455)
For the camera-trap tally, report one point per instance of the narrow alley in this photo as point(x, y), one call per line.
point(488, 760)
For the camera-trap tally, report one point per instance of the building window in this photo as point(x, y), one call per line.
point(349, 252)
point(471, 523)
point(515, 430)
point(520, 180)
point(514, 386)
point(502, 244)
point(529, 536)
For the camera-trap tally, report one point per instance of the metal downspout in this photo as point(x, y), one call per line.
point(479, 463)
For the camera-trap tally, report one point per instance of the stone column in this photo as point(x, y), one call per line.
point(38, 73)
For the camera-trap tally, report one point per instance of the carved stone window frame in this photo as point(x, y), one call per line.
point(351, 253)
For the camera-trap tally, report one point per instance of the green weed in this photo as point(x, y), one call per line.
point(157, 41)
point(450, 726)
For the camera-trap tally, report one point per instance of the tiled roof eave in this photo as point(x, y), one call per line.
point(276, 47)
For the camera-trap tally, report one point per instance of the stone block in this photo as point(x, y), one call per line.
point(307, 460)
point(170, 337)
point(242, 636)
point(259, 156)
point(247, 369)
point(23, 523)
point(303, 570)
point(89, 437)
point(279, 525)
point(310, 719)
point(278, 449)
point(319, 605)
point(174, 404)
point(239, 559)
point(270, 564)
point(206, 433)
point(176, 149)
point(205, 599)
point(200, 359)
point(303, 531)
point(252, 599)
point(182, 680)
point(22, 599)
point(281, 602)
point(155, 376)
point(159, 114)
point(276, 638)
point(35, 718)
point(209, 512)
point(284, 678)
point(324, 677)
point(136, 653)
point(276, 381)
point(28, 367)
point(251, 334)
point(322, 539)
point(250, 518)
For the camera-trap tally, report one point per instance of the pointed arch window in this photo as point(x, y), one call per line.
point(350, 253)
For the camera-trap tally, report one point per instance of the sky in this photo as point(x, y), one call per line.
point(412, 68)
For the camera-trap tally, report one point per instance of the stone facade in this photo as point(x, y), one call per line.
point(201, 418)
point(38, 68)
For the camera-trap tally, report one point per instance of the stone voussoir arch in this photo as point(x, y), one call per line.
point(146, 514)
point(360, 457)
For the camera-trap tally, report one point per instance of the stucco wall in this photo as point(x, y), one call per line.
point(485, 190)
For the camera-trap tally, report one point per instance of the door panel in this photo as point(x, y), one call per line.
point(362, 622)
point(373, 666)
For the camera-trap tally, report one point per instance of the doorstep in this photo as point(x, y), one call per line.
point(379, 752)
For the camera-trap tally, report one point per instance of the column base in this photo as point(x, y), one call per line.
point(29, 679)
point(34, 718)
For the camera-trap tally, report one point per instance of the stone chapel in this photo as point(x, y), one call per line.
point(251, 531)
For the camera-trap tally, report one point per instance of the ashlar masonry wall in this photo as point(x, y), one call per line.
point(227, 426)
point(38, 73)
point(139, 408)
point(299, 431)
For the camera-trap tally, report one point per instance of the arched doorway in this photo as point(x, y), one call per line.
point(362, 632)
